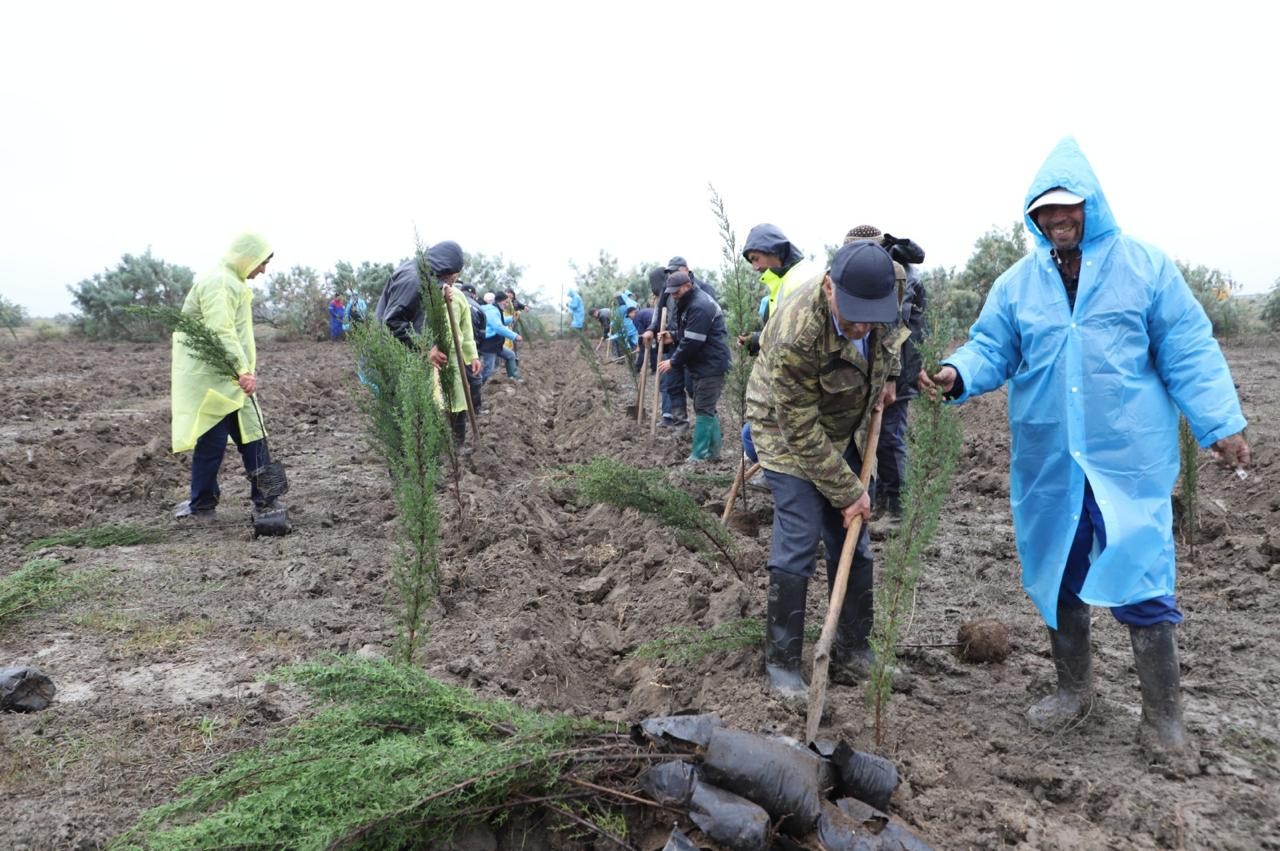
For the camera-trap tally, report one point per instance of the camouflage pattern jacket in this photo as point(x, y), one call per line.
point(811, 390)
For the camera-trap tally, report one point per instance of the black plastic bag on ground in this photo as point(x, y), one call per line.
point(670, 784)
point(271, 520)
point(685, 729)
point(729, 819)
point(865, 776)
point(677, 841)
point(891, 834)
point(25, 690)
point(788, 781)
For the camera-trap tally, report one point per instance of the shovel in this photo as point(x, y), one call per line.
point(822, 650)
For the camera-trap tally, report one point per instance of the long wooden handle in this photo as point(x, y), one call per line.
point(462, 372)
point(744, 473)
point(644, 371)
point(822, 650)
point(657, 381)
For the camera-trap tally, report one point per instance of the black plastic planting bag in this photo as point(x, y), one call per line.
point(670, 784)
point(729, 819)
point(865, 776)
point(25, 690)
point(677, 841)
point(784, 779)
point(685, 729)
point(889, 834)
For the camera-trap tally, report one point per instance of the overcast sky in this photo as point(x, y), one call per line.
point(547, 132)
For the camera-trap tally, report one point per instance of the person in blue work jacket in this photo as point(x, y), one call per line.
point(577, 310)
point(1102, 344)
point(496, 333)
point(702, 353)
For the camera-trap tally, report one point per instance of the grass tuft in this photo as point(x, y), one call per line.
point(99, 537)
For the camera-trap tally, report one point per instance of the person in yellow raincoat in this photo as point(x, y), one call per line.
point(208, 406)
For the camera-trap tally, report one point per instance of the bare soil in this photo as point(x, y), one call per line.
point(158, 663)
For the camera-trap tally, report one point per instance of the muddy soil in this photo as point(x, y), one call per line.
point(158, 662)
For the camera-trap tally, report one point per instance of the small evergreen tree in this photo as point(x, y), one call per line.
point(12, 315)
point(993, 253)
point(296, 304)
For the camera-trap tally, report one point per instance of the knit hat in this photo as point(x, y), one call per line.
point(863, 232)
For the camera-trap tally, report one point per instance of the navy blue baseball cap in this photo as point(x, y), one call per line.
point(865, 283)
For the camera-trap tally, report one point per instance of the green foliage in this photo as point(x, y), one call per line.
point(1271, 307)
point(933, 445)
point(137, 281)
point(490, 274)
point(692, 643)
point(296, 304)
point(950, 301)
point(603, 279)
point(740, 293)
point(12, 315)
point(396, 760)
point(587, 351)
point(1214, 289)
point(1189, 452)
point(648, 491)
point(619, 337)
point(409, 430)
point(205, 345)
point(369, 280)
point(38, 584)
point(993, 253)
point(110, 535)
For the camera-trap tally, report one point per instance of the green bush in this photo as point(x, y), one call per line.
point(1214, 290)
point(138, 281)
point(296, 304)
point(1271, 307)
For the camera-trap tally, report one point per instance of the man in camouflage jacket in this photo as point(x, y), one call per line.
point(827, 359)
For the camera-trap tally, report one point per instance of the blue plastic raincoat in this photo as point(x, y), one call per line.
point(577, 310)
point(1095, 392)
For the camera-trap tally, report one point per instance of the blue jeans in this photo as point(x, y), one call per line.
point(207, 459)
point(490, 361)
point(673, 395)
point(1146, 613)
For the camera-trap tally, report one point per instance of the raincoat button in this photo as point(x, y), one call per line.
point(1075, 516)
point(1076, 453)
point(1073, 324)
point(1075, 389)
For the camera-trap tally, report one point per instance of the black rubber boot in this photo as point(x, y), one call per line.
point(784, 636)
point(1073, 659)
point(851, 655)
point(1161, 732)
point(459, 422)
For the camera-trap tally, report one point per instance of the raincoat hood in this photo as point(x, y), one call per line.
point(573, 293)
point(445, 258)
point(246, 254)
point(769, 239)
point(1067, 167)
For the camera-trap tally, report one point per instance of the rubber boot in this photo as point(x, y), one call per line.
point(717, 439)
point(851, 656)
point(458, 420)
point(1073, 659)
point(784, 636)
point(703, 426)
point(1161, 732)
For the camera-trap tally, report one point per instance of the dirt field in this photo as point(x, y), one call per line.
point(158, 663)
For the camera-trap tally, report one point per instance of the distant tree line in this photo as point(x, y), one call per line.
point(294, 302)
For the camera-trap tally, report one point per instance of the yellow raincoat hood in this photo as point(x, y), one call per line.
point(246, 253)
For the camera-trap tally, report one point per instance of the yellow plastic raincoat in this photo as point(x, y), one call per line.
point(201, 394)
point(466, 336)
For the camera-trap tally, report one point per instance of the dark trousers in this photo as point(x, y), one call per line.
point(891, 453)
point(801, 517)
point(1146, 613)
point(673, 394)
point(706, 393)
point(207, 459)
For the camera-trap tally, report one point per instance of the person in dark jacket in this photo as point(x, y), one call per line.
point(782, 267)
point(674, 388)
point(479, 322)
point(702, 353)
point(891, 454)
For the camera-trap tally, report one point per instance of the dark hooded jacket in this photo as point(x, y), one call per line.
point(400, 306)
point(700, 336)
point(769, 239)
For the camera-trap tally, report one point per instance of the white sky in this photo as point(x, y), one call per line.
point(546, 132)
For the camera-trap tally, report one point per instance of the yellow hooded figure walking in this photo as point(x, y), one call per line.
point(208, 406)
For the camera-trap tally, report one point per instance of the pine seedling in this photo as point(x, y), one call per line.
point(618, 333)
point(648, 491)
point(99, 537)
point(1189, 451)
point(588, 354)
point(740, 291)
point(933, 448)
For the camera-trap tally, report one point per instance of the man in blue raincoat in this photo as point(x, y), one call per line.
point(577, 310)
point(1102, 344)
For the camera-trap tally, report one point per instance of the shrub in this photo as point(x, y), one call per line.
point(138, 281)
point(1214, 290)
point(1271, 307)
point(296, 304)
